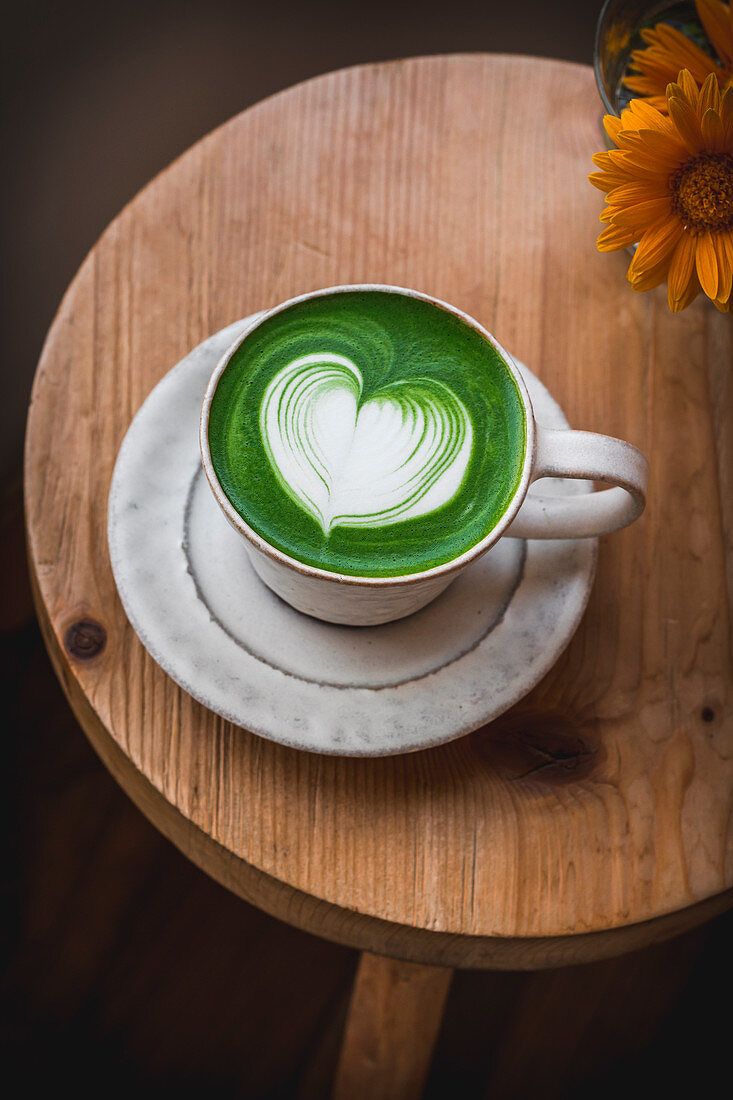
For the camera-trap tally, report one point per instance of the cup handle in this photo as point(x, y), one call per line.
point(590, 457)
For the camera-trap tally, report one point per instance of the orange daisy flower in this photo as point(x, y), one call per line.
point(669, 187)
point(669, 50)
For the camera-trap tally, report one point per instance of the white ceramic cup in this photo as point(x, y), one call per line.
point(365, 601)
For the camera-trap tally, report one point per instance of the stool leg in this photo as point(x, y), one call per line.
point(392, 1026)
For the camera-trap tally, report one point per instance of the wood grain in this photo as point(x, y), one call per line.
point(597, 815)
point(394, 1018)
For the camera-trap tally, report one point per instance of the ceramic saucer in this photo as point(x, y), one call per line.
point(197, 606)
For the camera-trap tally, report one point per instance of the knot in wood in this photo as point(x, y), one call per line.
point(526, 744)
point(85, 639)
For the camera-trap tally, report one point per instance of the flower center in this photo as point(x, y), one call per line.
point(702, 192)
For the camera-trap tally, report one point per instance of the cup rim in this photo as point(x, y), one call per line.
point(447, 568)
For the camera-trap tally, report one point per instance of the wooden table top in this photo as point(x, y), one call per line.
point(596, 815)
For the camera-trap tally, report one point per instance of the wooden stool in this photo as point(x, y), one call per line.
point(594, 817)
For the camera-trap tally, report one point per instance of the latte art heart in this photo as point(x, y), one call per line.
point(401, 454)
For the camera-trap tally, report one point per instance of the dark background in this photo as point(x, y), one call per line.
point(125, 967)
point(99, 97)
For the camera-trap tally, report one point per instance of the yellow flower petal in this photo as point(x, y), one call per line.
point(604, 162)
point(712, 132)
point(709, 95)
point(690, 90)
point(667, 148)
point(650, 278)
point(658, 64)
point(611, 125)
point(643, 137)
point(726, 240)
point(613, 238)
point(681, 268)
point(726, 115)
point(648, 116)
point(716, 19)
point(685, 52)
point(652, 80)
point(640, 164)
point(605, 182)
point(643, 214)
point(629, 121)
point(678, 304)
point(646, 86)
point(656, 243)
point(686, 121)
point(725, 266)
point(706, 264)
point(637, 191)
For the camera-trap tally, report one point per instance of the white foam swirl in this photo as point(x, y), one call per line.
point(399, 455)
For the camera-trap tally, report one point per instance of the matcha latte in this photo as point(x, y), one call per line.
point(368, 433)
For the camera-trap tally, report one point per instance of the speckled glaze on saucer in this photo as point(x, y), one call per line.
point(197, 606)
